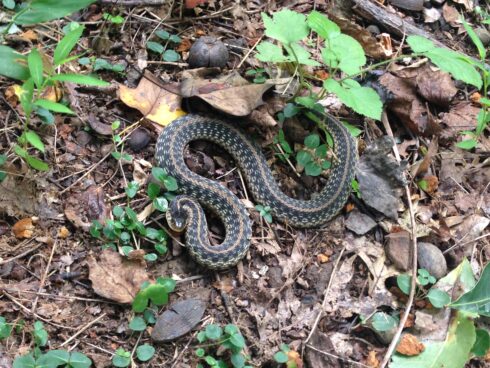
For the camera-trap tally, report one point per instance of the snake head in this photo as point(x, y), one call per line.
point(177, 214)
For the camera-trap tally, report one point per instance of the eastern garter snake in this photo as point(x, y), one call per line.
point(186, 212)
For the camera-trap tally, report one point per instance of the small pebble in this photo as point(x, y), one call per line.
point(483, 35)
point(139, 139)
point(373, 29)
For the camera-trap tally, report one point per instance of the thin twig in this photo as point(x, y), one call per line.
point(83, 329)
point(23, 254)
point(413, 284)
point(44, 276)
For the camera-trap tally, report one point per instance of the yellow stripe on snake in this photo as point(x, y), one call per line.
point(185, 211)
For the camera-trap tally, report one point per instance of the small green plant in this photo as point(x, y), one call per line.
point(258, 74)
point(345, 60)
point(167, 54)
point(3, 160)
point(5, 328)
point(287, 356)
point(99, 64)
point(228, 339)
point(436, 297)
point(264, 212)
point(114, 19)
point(355, 188)
point(313, 158)
point(117, 140)
point(280, 140)
point(464, 340)
point(121, 358)
point(38, 76)
point(483, 118)
point(52, 358)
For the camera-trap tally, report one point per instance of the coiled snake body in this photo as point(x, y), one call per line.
point(186, 212)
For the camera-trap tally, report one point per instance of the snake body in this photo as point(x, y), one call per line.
point(186, 212)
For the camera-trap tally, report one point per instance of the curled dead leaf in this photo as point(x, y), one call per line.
point(229, 93)
point(23, 228)
point(409, 345)
point(155, 101)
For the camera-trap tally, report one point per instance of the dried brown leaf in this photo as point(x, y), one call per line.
point(409, 345)
point(23, 228)
point(116, 278)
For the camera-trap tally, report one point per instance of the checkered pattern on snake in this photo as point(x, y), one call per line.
point(198, 191)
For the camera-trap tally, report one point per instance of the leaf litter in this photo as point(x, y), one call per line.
point(281, 287)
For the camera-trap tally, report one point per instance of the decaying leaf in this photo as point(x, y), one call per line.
point(229, 93)
point(408, 106)
point(157, 102)
point(462, 116)
point(373, 48)
point(23, 228)
point(410, 345)
point(116, 278)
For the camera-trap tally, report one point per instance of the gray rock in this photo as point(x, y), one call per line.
point(431, 258)
point(483, 35)
point(359, 222)
point(415, 5)
point(208, 52)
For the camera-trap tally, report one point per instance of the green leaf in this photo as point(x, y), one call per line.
point(40, 11)
point(53, 106)
point(476, 40)
point(281, 357)
point(420, 44)
point(353, 130)
point(34, 140)
point(161, 204)
point(155, 47)
point(137, 324)
point(145, 352)
point(175, 39)
point(200, 352)
point(363, 100)
point(299, 54)
point(237, 340)
point(80, 79)
point(403, 281)
point(40, 334)
point(164, 35)
point(482, 343)
point(35, 64)
point(13, 64)
point(171, 56)
point(26, 96)
point(150, 257)
point(9, 4)
point(290, 110)
point(213, 332)
point(313, 169)
point(57, 357)
point(383, 322)
point(36, 163)
point(153, 190)
point(438, 298)
point(170, 183)
point(122, 358)
point(5, 328)
point(268, 52)
point(167, 283)
point(67, 44)
point(456, 65)
point(44, 115)
point(286, 26)
point(312, 141)
point(477, 300)
point(79, 360)
point(467, 144)
point(451, 353)
point(132, 189)
point(303, 158)
point(322, 25)
point(348, 52)
point(24, 361)
point(237, 360)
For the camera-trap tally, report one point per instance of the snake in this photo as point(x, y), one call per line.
point(185, 211)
